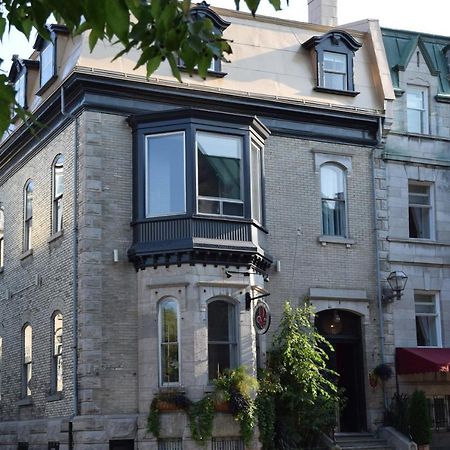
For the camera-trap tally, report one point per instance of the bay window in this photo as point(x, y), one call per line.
point(197, 188)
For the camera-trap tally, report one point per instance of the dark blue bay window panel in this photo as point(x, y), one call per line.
point(165, 174)
point(194, 189)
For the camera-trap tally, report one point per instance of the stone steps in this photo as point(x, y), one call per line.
point(361, 441)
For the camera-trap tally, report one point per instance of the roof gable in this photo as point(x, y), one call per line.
point(400, 47)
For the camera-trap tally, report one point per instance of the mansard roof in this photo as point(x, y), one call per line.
point(400, 46)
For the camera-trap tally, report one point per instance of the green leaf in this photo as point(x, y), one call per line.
point(2, 27)
point(95, 15)
point(118, 18)
point(276, 4)
point(153, 64)
point(252, 6)
point(93, 38)
point(174, 66)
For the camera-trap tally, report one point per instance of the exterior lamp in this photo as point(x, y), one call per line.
point(397, 282)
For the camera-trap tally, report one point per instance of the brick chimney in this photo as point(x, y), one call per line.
point(322, 12)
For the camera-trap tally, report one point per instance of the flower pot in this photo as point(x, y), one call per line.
point(223, 407)
point(167, 406)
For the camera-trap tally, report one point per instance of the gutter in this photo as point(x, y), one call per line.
point(377, 259)
point(74, 261)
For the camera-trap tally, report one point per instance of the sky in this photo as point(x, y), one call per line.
point(403, 14)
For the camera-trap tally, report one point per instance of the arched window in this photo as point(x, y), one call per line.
point(169, 346)
point(28, 216)
point(58, 192)
point(27, 337)
point(57, 363)
point(2, 241)
point(222, 337)
point(333, 193)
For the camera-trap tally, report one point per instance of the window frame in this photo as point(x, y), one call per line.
point(243, 168)
point(20, 86)
point(27, 364)
point(56, 370)
point(147, 174)
point(424, 111)
point(161, 303)
point(436, 314)
point(28, 217)
point(43, 83)
point(57, 199)
point(429, 207)
point(344, 201)
point(234, 353)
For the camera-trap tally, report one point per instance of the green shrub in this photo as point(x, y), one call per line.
point(419, 418)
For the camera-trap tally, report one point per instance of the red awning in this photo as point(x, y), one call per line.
point(421, 360)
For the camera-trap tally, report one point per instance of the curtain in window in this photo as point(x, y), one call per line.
point(332, 183)
point(169, 345)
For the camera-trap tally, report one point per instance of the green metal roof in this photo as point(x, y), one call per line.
point(400, 46)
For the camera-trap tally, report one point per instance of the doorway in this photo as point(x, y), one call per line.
point(343, 330)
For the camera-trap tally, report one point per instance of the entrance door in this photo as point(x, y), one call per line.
point(343, 330)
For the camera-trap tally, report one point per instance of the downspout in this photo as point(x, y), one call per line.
point(74, 262)
point(377, 257)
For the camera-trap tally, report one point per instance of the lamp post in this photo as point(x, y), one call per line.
point(397, 282)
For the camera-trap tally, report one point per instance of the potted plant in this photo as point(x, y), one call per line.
point(383, 372)
point(238, 389)
point(419, 420)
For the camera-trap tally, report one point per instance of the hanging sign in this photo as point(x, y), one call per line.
point(262, 317)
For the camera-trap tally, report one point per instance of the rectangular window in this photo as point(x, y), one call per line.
point(439, 408)
point(19, 87)
point(58, 193)
point(232, 443)
point(57, 363)
point(165, 174)
point(219, 174)
point(169, 345)
point(121, 444)
point(47, 63)
point(27, 361)
point(335, 70)
point(419, 210)
point(428, 330)
point(170, 444)
point(222, 338)
point(417, 110)
point(256, 168)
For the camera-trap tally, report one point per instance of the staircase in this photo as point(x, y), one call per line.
point(361, 441)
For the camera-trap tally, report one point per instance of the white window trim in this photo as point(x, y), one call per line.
point(147, 178)
point(241, 201)
point(425, 116)
point(432, 208)
point(437, 314)
point(347, 229)
point(60, 197)
point(179, 382)
point(324, 71)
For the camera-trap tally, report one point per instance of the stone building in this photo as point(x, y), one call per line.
point(144, 203)
point(415, 173)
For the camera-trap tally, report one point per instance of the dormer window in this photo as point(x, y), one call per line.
point(48, 64)
point(18, 77)
point(47, 49)
point(202, 11)
point(20, 88)
point(334, 52)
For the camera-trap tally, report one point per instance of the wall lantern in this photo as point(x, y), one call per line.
point(397, 282)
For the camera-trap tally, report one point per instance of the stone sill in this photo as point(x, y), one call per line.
point(324, 240)
point(55, 397)
point(27, 401)
point(419, 241)
point(59, 234)
point(26, 254)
